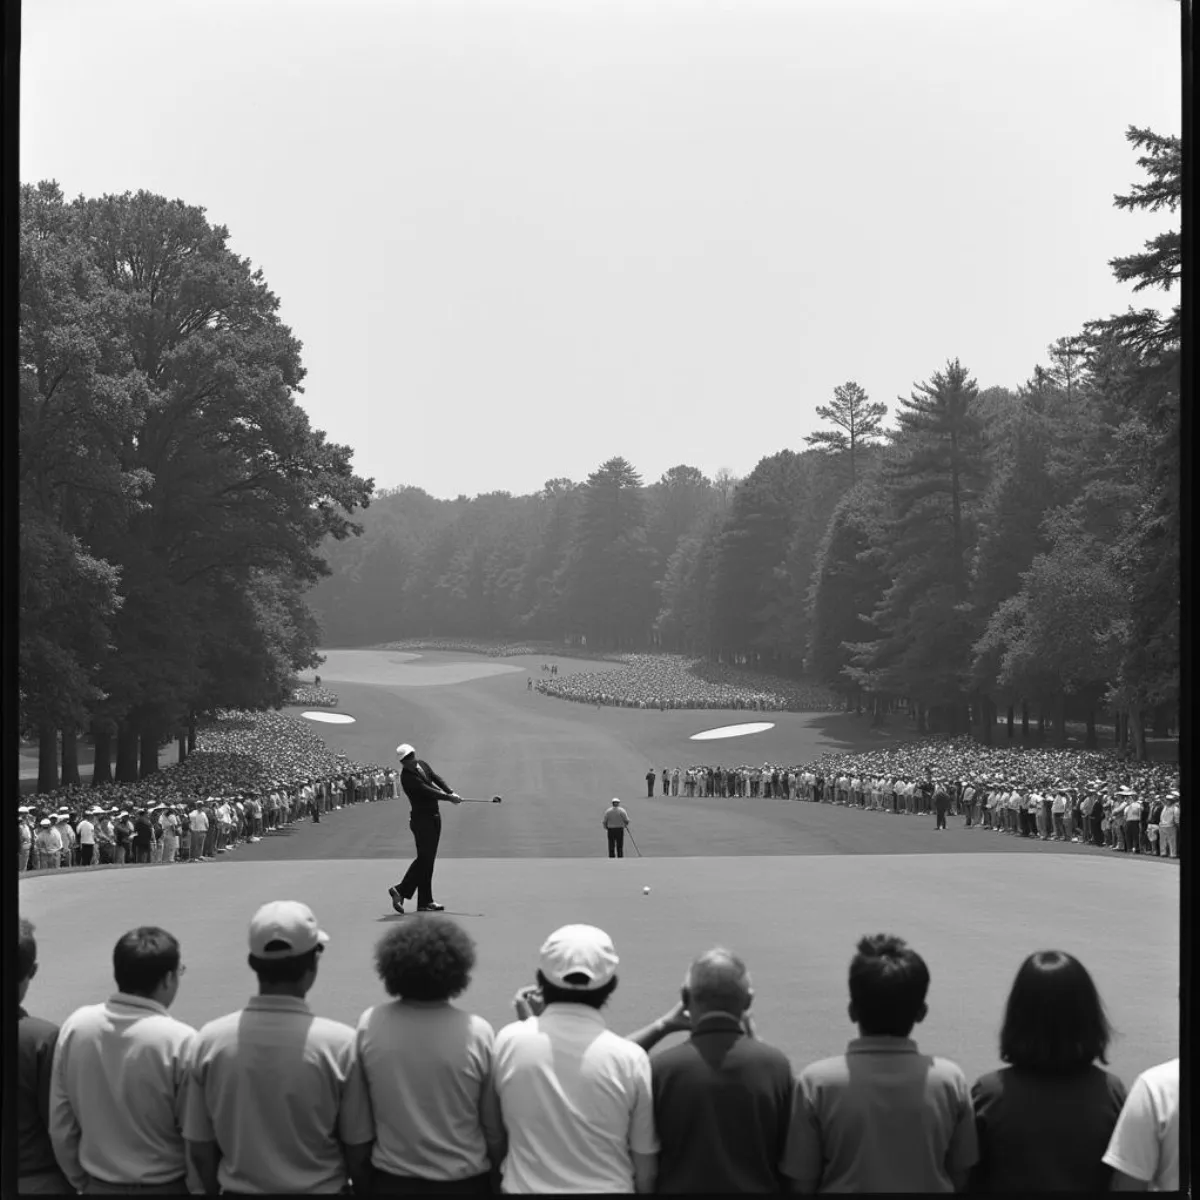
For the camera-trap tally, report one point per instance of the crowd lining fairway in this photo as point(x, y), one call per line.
point(787, 884)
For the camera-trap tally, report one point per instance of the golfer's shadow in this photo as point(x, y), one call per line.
point(389, 918)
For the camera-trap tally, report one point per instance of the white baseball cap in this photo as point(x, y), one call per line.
point(285, 929)
point(579, 950)
point(404, 750)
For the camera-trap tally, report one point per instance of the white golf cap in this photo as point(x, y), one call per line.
point(579, 950)
point(615, 800)
point(404, 750)
point(285, 929)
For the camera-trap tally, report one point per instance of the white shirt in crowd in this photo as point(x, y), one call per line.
point(86, 833)
point(199, 821)
point(575, 1099)
point(1145, 1142)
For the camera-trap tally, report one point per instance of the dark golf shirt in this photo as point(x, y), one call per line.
point(35, 1053)
point(722, 1104)
point(1044, 1133)
point(422, 793)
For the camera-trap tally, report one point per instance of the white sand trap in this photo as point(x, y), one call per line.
point(330, 718)
point(727, 731)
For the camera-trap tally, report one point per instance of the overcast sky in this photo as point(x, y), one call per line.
point(517, 239)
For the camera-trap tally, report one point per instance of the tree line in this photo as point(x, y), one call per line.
point(1004, 550)
point(174, 500)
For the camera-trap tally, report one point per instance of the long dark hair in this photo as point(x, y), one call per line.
point(1054, 1019)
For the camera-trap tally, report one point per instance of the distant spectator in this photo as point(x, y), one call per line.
point(1144, 1151)
point(120, 1070)
point(38, 1173)
point(722, 1099)
point(882, 1117)
point(266, 1108)
point(1044, 1120)
point(574, 1097)
point(425, 1066)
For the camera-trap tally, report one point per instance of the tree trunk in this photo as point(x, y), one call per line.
point(1024, 721)
point(1162, 721)
point(149, 751)
point(1041, 729)
point(1011, 715)
point(987, 719)
point(183, 749)
point(1090, 742)
point(127, 752)
point(1060, 720)
point(102, 763)
point(70, 757)
point(1137, 725)
point(47, 758)
point(191, 732)
point(1122, 732)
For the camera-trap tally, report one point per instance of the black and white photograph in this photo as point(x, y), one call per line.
point(523, 500)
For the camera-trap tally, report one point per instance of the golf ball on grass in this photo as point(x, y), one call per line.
point(645, 891)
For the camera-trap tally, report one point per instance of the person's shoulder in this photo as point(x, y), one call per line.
point(833, 1069)
point(479, 1027)
point(36, 1030)
point(220, 1029)
point(330, 1032)
point(1163, 1078)
point(946, 1069)
point(991, 1083)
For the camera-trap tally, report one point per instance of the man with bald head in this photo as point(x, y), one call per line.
point(722, 1099)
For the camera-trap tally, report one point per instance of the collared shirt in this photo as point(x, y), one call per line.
point(423, 1075)
point(722, 1104)
point(267, 1085)
point(35, 1057)
point(199, 820)
point(615, 818)
point(576, 1101)
point(117, 1092)
point(87, 833)
point(881, 1118)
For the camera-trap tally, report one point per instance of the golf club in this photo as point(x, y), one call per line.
point(635, 845)
point(476, 800)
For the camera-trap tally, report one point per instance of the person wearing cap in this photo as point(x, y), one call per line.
point(574, 1097)
point(48, 845)
point(722, 1099)
point(615, 822)
point(425, 789)
point(1168, 822)
point(241, 1138)
point(119, 1077)
point(170, 834)
point(143, 836)
point(425, 1065)
point(123, 830)
point(198, 826)
point(1133, 824)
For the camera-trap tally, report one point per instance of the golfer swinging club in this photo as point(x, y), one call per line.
point(424, 787)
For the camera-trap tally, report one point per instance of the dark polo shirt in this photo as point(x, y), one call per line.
point(722, 1103)
point(35, 1053)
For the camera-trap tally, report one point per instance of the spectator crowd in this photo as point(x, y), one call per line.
point(423, 1096)
point(252, 775)
point(1052, 795)
point(673, 681)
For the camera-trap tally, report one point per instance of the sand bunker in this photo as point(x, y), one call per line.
point(728, 731)
point(329, 718)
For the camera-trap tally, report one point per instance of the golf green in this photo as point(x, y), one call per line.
point(790, 886)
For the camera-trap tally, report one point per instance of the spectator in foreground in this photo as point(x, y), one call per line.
point(266, 1108)
point(722, 1099)
point(425, 1066)
point(1045, 1120)
point(120, 1070)
point(574, 1097)
point(1144, 1150)
point(38, 1172)
point(882, 1117)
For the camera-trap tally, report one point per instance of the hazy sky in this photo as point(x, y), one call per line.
point(519, 238)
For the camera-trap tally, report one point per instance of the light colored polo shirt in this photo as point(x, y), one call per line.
point(86, 832)
point(615, 818)
point(882, 1117)
point(117, 1091)
point(575, 1100)
point(1145, 1142)
point(267, 1085)
point(199, 820)
point(424, 1071)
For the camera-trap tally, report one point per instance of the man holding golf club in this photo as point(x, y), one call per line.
point(425, 788)
point(616, 822)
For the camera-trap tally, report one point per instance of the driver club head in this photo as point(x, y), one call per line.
point(495, 799)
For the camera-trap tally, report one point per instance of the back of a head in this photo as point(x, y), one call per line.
point(718, 982)
point(142, 958)
point(1054, 1020)
point(888, 985)
point(428, 958)
point(26, 951)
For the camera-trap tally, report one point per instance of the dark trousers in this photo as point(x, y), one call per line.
point(941, 818)
point(649, 788)
point(85, 855)
point(418, 879)
point(384, 1184)
point(1133, 837)
point(616, 843)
